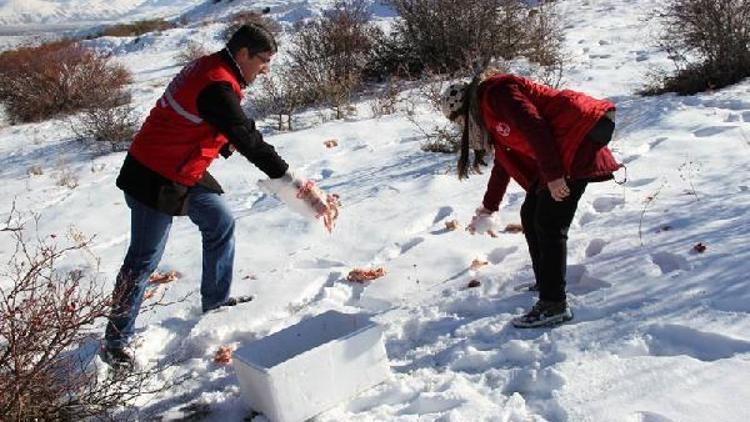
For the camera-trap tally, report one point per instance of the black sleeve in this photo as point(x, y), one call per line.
point(219, 106)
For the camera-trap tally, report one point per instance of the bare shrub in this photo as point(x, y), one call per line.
point(60, 78)
point(134, 29)
point(48, 317)
point(387, 99)
point(193, 50)
point(329, 54)
point(443, 139)
point(708, 42)
point(64, 176)
point(249, 17)
point(446, 36)
point(282, 95)
point(108, 129)
point(35, 170)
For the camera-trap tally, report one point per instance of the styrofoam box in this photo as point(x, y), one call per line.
point(303, 370)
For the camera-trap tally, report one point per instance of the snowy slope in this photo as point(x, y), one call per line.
point(16, 12)
point(662, 332)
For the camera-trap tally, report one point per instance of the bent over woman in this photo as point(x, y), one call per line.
point(551, 142)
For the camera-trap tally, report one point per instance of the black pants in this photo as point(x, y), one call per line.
point(545, 225)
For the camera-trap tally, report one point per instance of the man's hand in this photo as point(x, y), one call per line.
point(558, 189)
point(324, 205)
point(303, 197)
point(484, 221)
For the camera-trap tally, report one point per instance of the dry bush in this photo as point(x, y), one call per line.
point(249, 17)
point(387, 99)
point(282, 95)
point(65, 177)
point(59, 78)
point(193, 50)
point(107, 129)
point(48, 317)
point(329, 54)
point(134, 29)
point(709, 43)
point(446, 36)
point(444, 139)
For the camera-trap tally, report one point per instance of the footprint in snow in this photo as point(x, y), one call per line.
point(641, 56)
point(733, 118)
point(679, 340)
point(425, 404)
point(408, 245)
point(605, 204)
point(711, 131)
point(318, 263)
point(533, 383)
point(443, 213)
point(644, 416)
point(326, 173)
point(656, 142)
point(498, 255)
point(637, 183)
point(586, 218)
point(669, 262)
point(581, 283)
point(644, 149)
point(595, 247)
point(746, 116)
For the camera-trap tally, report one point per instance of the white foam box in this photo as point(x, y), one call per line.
point(303, 370)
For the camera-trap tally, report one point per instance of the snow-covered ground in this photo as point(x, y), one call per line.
point(662, 332)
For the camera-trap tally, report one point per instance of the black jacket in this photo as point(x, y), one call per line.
point(219, 106)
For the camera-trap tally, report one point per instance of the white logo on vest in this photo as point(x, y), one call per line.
point(502, 129)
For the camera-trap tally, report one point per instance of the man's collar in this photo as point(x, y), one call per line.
point(227, 55)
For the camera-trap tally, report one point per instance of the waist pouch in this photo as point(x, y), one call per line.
point(601, 133)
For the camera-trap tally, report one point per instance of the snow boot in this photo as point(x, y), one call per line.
point(118, 358)
point(527, 287)
point(544, 314)
point(232, 301)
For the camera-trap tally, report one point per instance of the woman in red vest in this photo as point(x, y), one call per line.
point(165, 174)
point(552, 143)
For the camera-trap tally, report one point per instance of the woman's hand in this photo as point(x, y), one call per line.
point(484, 221)
point(558, 189)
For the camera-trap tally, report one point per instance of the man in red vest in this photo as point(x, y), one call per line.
point(553, 143)
point(165, 175)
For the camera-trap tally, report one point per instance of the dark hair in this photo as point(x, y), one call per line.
point(469, 109)
point(253, 36)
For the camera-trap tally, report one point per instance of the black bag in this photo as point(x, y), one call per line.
point(601, 133)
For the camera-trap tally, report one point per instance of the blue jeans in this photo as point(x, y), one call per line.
point(149, 230)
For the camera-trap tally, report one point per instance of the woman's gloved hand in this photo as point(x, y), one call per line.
point(484, 221)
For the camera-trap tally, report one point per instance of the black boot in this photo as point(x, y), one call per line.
point(232, 301)
point(119, 358)
point(544, 313)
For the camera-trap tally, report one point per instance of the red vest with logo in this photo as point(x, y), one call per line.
point(570, 115)
point(174, 141)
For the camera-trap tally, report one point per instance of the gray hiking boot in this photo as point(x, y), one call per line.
point(119, 358)
point(544, 314)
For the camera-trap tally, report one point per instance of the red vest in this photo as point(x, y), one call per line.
point(174, 141)
point(570, 115)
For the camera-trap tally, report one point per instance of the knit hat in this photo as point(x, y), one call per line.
point(453, 99)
